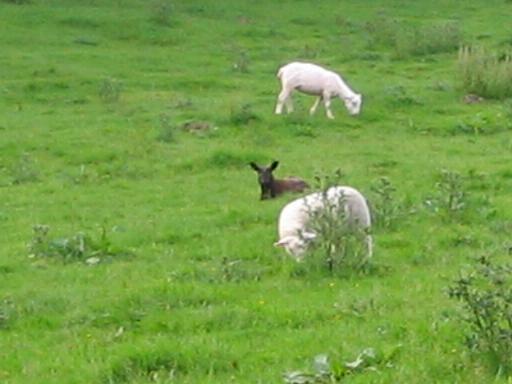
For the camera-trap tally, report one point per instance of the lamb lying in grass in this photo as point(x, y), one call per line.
point(294, 227)
point(272, 187)
point(315, 80)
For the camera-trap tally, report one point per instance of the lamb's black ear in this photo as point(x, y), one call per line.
point(255, 166)
point(274, 165)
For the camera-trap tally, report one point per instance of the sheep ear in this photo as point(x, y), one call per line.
point(308, 236)
point(255, 166)
point(274, 165)
point(282, 242)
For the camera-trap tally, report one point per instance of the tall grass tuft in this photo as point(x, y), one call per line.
point(485, 73)
point(406, 41)
point(427, 40)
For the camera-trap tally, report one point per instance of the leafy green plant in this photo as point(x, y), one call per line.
point(327, 371)
point(486, 295)
point(385, 208)
point(483, 123)
point(77, 247)
point(485, 73)
point(452, 196)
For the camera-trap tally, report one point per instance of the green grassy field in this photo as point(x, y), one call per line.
point(182, 283)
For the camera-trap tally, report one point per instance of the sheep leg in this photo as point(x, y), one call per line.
point(327, 104)
point(289, 104)
point(312, 110)
point(369, 245)
point(281, 99)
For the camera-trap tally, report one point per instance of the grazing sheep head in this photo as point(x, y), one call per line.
point(296, 245)
point(266, 179)
point(353, 104)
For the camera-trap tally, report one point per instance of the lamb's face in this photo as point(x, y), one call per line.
point(296, 246)
point(353, 104)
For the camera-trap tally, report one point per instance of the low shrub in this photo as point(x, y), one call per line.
point(452, 195)
point(486, 295)
point(339, 245)
point(385, 207)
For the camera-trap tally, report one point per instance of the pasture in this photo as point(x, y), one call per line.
point(134, 246)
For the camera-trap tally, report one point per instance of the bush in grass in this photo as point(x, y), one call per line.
point(450, 198)
point(486, 295)
point(339, 245)
point(385, 207)
point(451, 191)
point(485, 73)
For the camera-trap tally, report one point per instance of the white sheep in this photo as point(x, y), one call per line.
point(295, 233)
point(315, 80)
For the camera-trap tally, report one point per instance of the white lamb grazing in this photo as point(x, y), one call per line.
point(294, 231)
point(315, 80)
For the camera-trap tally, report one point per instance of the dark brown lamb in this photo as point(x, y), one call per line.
point(272, 187)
